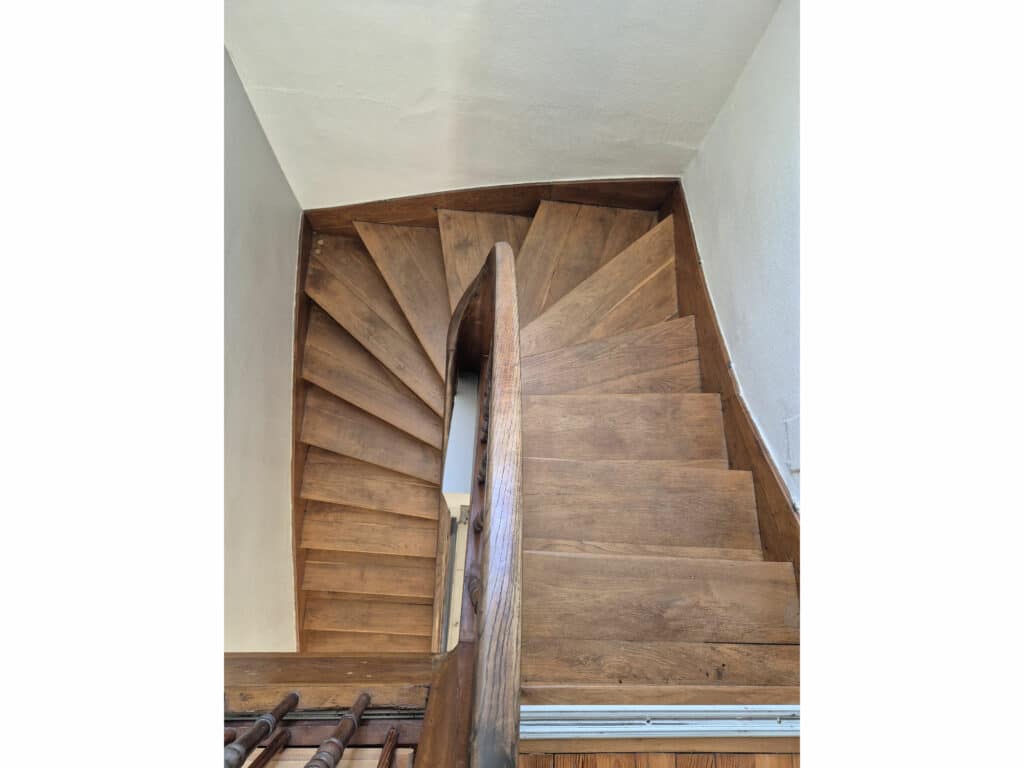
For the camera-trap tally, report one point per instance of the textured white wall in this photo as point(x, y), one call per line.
point(261, 230)
point(743, 190)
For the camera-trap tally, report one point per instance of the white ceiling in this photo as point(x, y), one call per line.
point(383, 98)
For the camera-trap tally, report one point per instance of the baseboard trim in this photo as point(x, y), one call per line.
point(551, 722)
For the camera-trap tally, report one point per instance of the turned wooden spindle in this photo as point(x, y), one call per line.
point(236, 752)
point(278, 742)
point(230, 734)
point(387, 752)
point(332, 748)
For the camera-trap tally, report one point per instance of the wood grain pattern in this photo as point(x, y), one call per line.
point(684, 427)
point(666, 504)
point(608, 760)
point(695, 761)
point(349, 482)
point(633, 290)
point(368, 616)
point(518, 199)
point(658, 598)
point(655, 760)
point(567, 243)
point(630, 549)
point(753, 761)
point(344, 281)
point(364, 642)
point(446, 723)
point(254, 697)
point(371, 580)
point(297, 757)
point(349, 529)
point(649, 695)
point(467, 237)
point(779, 523)
point(411, 262)
point(340, 365)
point(535, 761)
point(659, 358)
point(644, 662)
point(334, 425)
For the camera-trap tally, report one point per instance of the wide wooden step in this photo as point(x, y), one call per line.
point(411, 262)
point(595, 597)
point(368, 616)
point(334, 425)
point(337, 479)
point(337, 362)
point(575, 671)
point(567, 243)
point(363, 642)
point(467, 238)
point(341, 529)
point(635, 289)
point(685, 427)
point(639, 507)
point(659, 358)
point(371, 577)
point(344, 281)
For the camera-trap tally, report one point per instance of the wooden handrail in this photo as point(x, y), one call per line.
point(472, 716)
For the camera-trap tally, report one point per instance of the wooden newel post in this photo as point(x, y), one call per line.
point(237, 751)
point(334, 745)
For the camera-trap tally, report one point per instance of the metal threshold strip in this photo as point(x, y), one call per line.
point(658, 722)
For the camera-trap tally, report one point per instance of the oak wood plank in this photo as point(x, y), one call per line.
point(344, 281)
point(607, 760)
point(613, 695)
point(658, 358)
point(467, 237)
point(262, 697)
point(633, 290)
point(368, 616)
point(340, 529)
point(364, 642)
point(335, 361)
point(334, 425)
point(655, 760)
point(697, 760)
point(349, 482)
point(535, 761)
point(680, 427)
point(371, 580)
point(666, 504)
point(411, 262)
point(629, 549)
point(351, 758)
point(658, 598)
point(446, 723)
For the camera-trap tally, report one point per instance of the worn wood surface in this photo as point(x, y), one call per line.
point(633, 290)
point(661, 504)
point(446, 724)
point(368, 616)
point(360, 757)
point(342, 480)
point(334, 360)
point(685, 427)
point(779, 524)
point(661, 693)
point(347, 529)
point(517, 199)
point(344, 281)
point(334, 425)
point(657, 358)
point(567, 243)
point(467, 237)
point(495, 730)
point(411, 262)
point(658, 598)
point(364, 642)
point(372, 580)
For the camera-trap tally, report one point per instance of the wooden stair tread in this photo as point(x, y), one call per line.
point(364, 577)
point(330, 527)
point(649, 503)
point(342, 480)
point(411, 262)
point(466, 239)
point(568, 242)
point(335, 425)
point(344, 281)
point(635, 289)
point(659, 358)
point(682, 427)
point(353, 757)
point(335, 361)
point(345, 615)
point(362, 642)
point(592, 597)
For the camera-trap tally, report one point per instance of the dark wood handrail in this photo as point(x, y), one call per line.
point(472, 716)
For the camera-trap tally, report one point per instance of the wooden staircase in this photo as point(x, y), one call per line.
point(644, 576)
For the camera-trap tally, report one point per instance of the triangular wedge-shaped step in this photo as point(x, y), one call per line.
point(368, 616)
point(410, 260)
point(341, 480)
point(567, 243)
point(669, 672)
point(593, 597)
point(584, 427)
point(637, 288)
point(369, 577)
point(337, 362)
point(332, 527)
point(343, 280)
point(337, 426)
point(468, 237)
point(658, 358)
point(639, 507)
point(363, 642)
